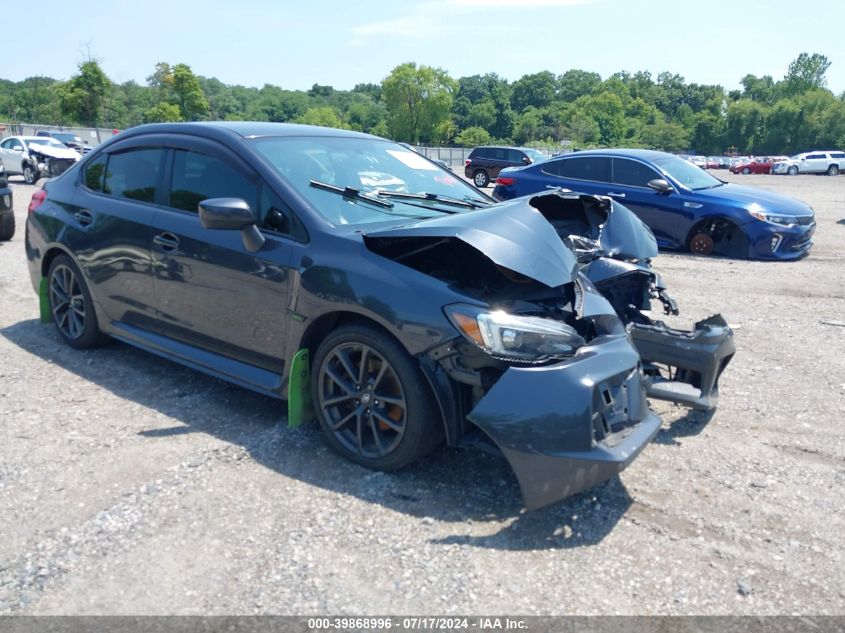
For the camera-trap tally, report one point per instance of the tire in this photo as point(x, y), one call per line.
point(7, 226)
point(746, 171)
point(792, 171)
point(71, 308)
point(481, 178)
point(30, 174)
point(701, 244)
point(354, 414)
point(833, 170)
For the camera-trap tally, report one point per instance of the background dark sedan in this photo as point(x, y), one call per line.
point(685, 207)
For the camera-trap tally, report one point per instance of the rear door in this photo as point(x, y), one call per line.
point(814, 163)
point(110, 226)
point(664, 214)
point(211, 292)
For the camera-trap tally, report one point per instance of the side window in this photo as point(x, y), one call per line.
point(16, 144)
point(837, 154)
point(134, 174)
point(595, 168)
point(481, 152)
point(500, 153)
point(197, 177)
point(7, 144)
point(632, 173)
point(274, 215)
point(95, 173)
point(812, 156)
point(515, 156)
point(552, 167)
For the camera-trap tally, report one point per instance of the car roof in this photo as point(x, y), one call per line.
point(642, 154)
point(243, 129)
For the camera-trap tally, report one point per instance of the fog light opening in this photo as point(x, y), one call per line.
point(776, 240)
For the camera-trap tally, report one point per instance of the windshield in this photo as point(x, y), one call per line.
point(368, 166)
point(43, 140)
point(535, 155)
point(686, 173)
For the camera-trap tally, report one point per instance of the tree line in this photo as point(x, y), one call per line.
point(421, 104)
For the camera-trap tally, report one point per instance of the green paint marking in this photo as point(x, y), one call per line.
point(300, 408)
point(44, 301)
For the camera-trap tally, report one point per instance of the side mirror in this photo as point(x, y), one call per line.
point(660, 185)
point(231, 214)
point(526, 160)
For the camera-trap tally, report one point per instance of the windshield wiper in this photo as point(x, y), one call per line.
point(434, 197)
point(351, 192)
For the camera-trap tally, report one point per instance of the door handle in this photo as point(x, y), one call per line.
point(84, 217)
point(167, 241)
point(616, 194)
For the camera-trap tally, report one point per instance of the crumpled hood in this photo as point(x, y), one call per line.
point(746, 196)
point(54, 152)
point(513, 235)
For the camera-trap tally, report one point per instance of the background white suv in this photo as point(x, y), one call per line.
point(831, 163)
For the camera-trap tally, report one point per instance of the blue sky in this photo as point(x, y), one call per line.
point(297, 44)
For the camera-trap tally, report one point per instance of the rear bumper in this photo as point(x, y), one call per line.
point(683, 366)
point(567, 427)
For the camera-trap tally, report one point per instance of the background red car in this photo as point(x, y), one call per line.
point(761, 165)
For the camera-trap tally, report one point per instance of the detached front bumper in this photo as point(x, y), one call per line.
point(567, 427)
point(683, 366)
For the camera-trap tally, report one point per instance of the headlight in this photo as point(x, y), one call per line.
point(774, 218)
point(514, 337)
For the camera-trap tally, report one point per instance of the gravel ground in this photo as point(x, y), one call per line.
point(129, 485)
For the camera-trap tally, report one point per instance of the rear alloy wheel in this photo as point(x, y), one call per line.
point(701, 244)
point(833, 170)
point(30, 174)
point(7, 226)
point(71, 307)
point(373, 403)
point(792, 171)
point(481, 179)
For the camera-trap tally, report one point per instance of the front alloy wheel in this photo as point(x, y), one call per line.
point(372, 401)
point(70, 305)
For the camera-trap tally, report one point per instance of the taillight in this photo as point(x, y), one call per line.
point(38, 199)
point(504, 180)
point(467, 162)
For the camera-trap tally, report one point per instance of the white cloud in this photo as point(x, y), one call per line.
point(438, 16)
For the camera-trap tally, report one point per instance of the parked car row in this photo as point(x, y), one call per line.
point(400, 316)
point(830, 162)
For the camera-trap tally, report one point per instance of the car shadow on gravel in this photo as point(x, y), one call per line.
point(688, 425)
point(454, 486)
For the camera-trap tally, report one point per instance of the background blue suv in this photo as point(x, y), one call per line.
point(683, 205)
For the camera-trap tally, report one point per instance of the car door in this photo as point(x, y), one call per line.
point(813, 163)
point(211, 292)
point(11, 152)
point(110, 226)
point(662, 212)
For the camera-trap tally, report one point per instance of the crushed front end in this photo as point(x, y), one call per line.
point(614, 251)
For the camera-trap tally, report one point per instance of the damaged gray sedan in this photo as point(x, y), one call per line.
point(376, 291)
